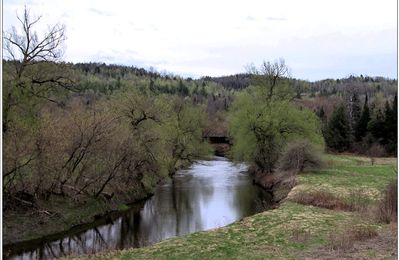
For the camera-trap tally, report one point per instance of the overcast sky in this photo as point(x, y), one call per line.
point(317, 38)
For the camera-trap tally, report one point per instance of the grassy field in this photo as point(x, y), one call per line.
point(298, 231)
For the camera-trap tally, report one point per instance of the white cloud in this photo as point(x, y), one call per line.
point(220, 37)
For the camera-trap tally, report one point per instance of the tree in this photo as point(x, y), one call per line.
point(182, 89)
point(354, 112)
point(362, 124)
point(271, 77)
point(377, 125)
point(262, 119)
point(338, 130)
point(181, 132)
point(390, 125)
point(33, 58)
point(27, 48)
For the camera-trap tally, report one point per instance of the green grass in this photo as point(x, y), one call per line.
point(269, 234)
point(289, 231)
point(345, 175)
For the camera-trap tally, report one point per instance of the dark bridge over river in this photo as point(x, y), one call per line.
point(221, 144)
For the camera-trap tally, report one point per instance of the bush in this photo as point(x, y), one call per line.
point(376, 150)
point(298, 156)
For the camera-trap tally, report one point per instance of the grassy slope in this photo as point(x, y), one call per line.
point(292, 231)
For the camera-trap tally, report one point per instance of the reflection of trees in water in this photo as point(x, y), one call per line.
point(93, 240)
point(176, 209)
point(249, 199)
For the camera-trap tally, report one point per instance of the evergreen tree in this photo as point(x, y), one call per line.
point(151, 86)
point(355, 112)
point(390, 126)
point(182, 89)
point(377, 125)
point(322, 116)
point(362, 124)
point(338, 136)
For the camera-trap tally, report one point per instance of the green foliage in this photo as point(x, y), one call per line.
point(182, 132)
point(338, 135)
point(390, 138)
point(260, 127)
point(376, 125)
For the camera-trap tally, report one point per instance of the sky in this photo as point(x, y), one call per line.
point(317, 39)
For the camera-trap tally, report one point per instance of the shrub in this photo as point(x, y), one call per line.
point(298, 156)
point(376, 150)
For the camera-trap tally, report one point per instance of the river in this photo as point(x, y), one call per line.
point(209, 194)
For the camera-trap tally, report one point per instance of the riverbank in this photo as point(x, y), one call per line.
point(297, 229)
point(26, 227)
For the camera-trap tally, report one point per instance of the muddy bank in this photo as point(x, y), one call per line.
point(277, 184)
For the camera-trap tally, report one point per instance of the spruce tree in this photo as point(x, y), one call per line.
point(338, 136)
point(362, 124)
point(390, 126)
point(377, 125)
point(355, 113)
point(322, 116)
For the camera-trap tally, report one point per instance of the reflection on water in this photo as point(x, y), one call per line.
point(209, 194)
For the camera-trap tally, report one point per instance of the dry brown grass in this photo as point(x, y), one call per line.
point(345, 238)
point(321, 199)
point(387, 208)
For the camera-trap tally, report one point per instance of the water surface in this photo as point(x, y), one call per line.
point(208, 195)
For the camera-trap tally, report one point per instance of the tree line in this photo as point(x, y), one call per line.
point(369, 128)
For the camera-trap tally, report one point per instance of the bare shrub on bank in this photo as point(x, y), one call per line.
point(298, 156)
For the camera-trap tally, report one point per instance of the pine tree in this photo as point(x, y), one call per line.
point(362, 124)
point(338, 136)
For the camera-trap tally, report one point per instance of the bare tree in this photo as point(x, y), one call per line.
point(28, 48)
point(34, 58)
point(269, 76)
